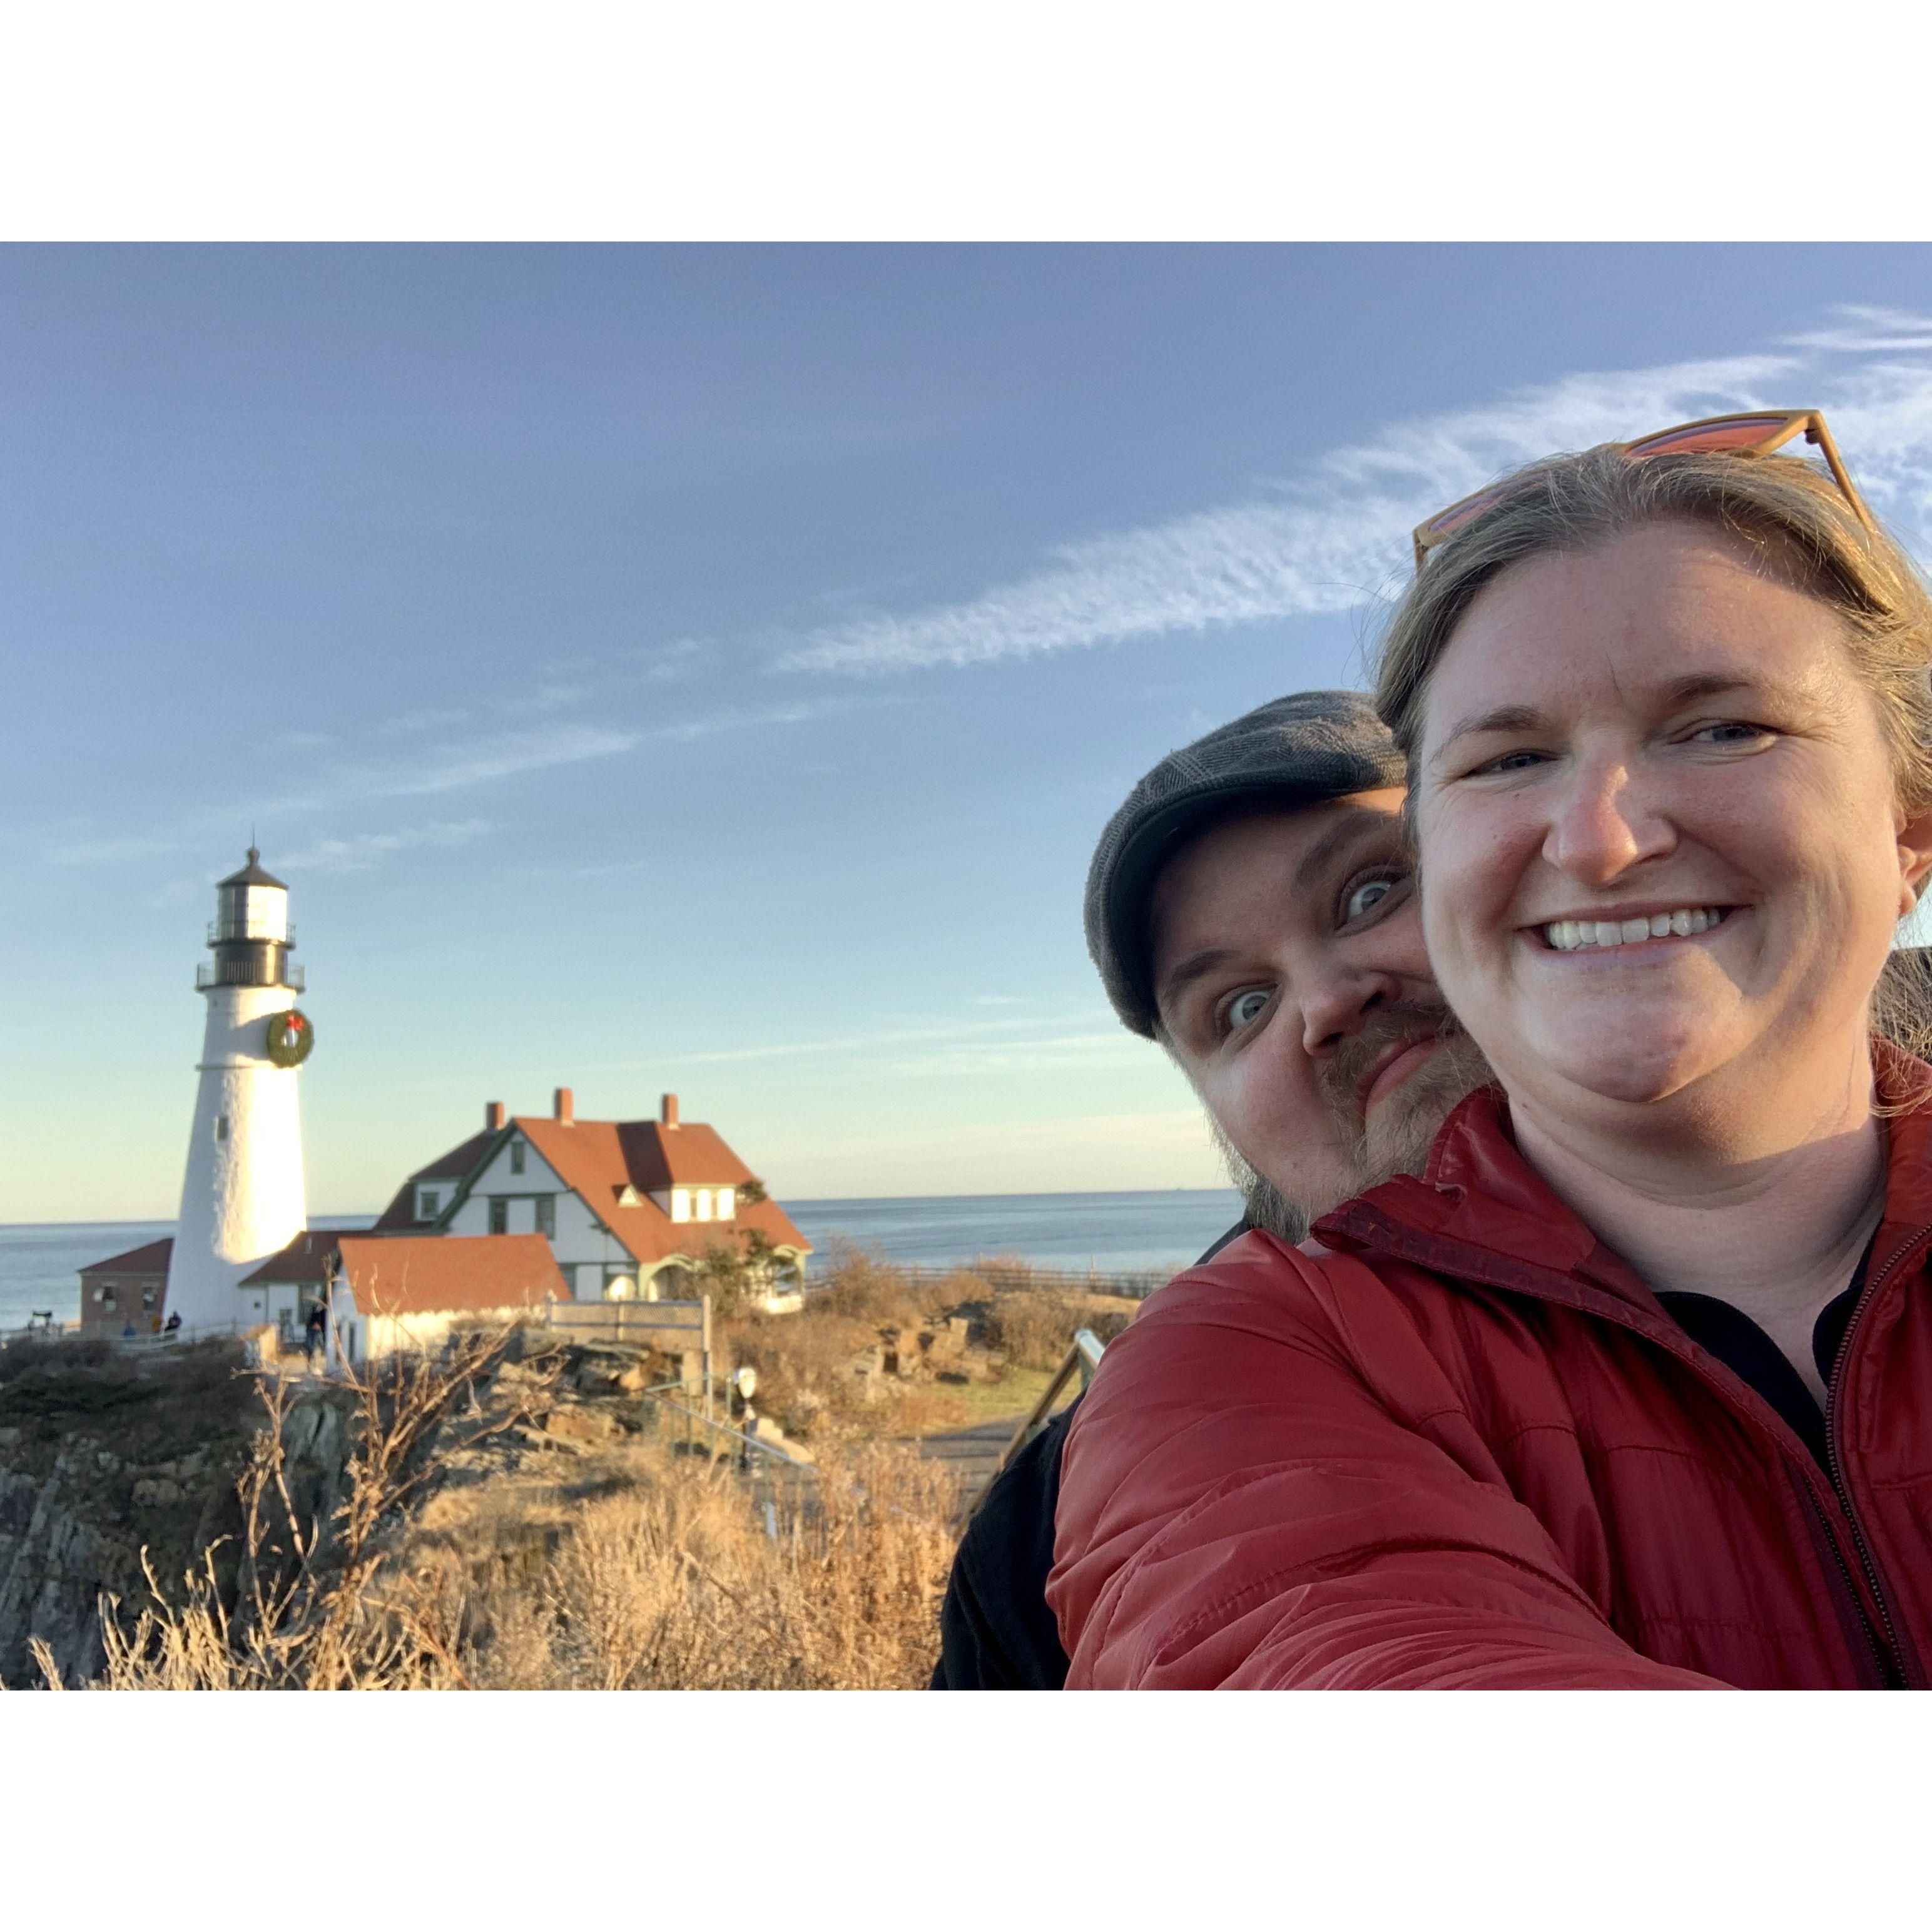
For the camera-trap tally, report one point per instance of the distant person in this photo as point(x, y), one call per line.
point(127, 1330)
point(315, 1331)
point(171, 1327)
point(1249, 906)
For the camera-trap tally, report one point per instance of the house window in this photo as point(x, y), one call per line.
point(704, 1203)
point(431, 1202)
point(500, 1214)
point(105, 1296)
point(149, 1294)
point(221, 1127)
point(547, 1216)
point(516, 1157)
point(99, 1293)
point(727, 1204)
point(680, 1204)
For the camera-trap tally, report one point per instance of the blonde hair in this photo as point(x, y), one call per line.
point(1799, 525)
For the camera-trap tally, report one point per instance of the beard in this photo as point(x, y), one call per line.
point(1268, 1208)
point(1398, 1139)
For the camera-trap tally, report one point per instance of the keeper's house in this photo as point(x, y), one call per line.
point(628, 1208)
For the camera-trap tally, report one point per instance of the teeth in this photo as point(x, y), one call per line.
point(1573, 935)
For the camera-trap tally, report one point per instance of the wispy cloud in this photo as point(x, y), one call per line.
point(362, 851)
point(469, 761)
point(1862, 330)
point(1337, 534)
point(939, 1046)
point(1032, 1053)
point(454, 766)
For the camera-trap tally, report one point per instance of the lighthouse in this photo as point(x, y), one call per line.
point(243, 1197)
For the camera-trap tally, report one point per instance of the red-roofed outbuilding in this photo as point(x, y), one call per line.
point(391, 1292)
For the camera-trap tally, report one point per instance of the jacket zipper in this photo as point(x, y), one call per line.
point(1888, 1674)
point(1873, 1281)
point(1390, 1236)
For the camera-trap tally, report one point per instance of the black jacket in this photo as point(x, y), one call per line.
point(995, 1630)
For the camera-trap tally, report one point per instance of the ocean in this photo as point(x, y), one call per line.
point(1116, 1233)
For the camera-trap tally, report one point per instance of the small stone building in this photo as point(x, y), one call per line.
point(126, 1290)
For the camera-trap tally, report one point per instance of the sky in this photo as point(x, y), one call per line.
point(708, 669)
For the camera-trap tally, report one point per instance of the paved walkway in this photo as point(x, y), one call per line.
point(972, 1454)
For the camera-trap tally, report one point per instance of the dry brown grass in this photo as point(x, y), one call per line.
point(1025, 1316)
point(674, 1579)
point(636, 1568)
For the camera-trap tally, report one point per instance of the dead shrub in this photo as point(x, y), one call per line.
point(1033, 1328)
point(639, 1568)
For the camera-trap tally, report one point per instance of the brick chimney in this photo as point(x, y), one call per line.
point(493, 1116)
point(667, 1110)
point(565, 1110)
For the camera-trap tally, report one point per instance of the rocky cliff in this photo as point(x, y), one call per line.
point(101, 1456)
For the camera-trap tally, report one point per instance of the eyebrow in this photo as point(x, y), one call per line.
point(1351, 826)
point(1679, 692)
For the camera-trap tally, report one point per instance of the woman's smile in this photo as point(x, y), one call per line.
point(1625, 932)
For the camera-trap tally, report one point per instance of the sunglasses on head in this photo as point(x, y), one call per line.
point(1754, 432)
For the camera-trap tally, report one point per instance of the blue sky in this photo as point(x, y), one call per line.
point(710, 668)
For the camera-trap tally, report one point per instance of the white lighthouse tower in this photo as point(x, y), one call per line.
point(243, 1199)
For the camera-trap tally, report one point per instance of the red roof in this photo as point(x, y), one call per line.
point(391, 1274)
point(457, 1164)
point(600, 1159)
point(152, 1259)
point(305, 1260)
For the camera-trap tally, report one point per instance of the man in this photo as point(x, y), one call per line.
point(1250, 907)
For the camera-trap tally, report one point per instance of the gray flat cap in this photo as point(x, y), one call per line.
point(1317, 745)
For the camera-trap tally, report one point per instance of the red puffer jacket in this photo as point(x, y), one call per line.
point(1455, 1442)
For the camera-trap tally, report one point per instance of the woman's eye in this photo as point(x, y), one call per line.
point(1363, 898)
point(1511, 761)
point(1728, 731)
point(1244, 1009)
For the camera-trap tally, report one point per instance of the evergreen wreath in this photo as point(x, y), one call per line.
point(291, 1037)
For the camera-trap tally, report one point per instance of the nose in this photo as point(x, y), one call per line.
point(1602, 823)
point(1336, 1000)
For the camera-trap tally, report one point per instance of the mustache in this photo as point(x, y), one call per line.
point(1343, 1075)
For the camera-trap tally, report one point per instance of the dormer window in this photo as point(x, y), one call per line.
point(703, 1204)
point(431, 1205)
point(516, 1157)
point(680, 1204)
point(727, 1204)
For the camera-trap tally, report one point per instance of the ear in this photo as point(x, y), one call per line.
point(1914, 860)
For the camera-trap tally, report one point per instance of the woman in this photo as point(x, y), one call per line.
point(1635, 1387)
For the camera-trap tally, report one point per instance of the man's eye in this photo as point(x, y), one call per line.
point(1363, 898)
point(1728, 731)
point(1244, 1009)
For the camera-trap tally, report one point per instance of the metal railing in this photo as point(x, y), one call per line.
point(213, 972)
point(142, 1342)
point(1081, 1359)
point(659, 1401)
